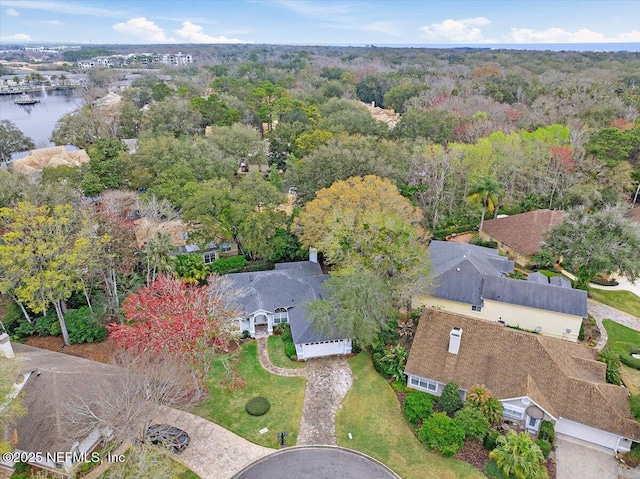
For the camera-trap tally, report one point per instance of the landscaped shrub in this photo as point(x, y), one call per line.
point(442, 434)
point(245, 334)
point(491, 440)
point(545, 447)
point(290, 350)
point(473, 422)
point(450, 400)
point(581, 332)
point(258, 406)
point(624, 351)
point(612, 359)
point(417, 407)
point(233, 264)
point(547, 432)
point(83, 326)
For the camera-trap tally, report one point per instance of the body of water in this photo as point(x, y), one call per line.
point(37, 121)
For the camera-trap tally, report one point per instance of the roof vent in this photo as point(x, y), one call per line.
point(454, 340)
point(568, 331)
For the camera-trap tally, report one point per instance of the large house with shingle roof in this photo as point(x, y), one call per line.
point(521, 236)
point(279, 296)
point(472, 280)
point(534, 377)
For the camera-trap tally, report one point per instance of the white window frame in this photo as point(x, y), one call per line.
point(209, 257)
point(225, 247)
point(280, 315)
point(476, 309)
point(422, 383)
point(512, 412)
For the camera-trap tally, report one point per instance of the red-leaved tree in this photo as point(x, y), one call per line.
point(174, 318)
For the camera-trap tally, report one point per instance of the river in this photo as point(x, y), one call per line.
point(37, 121)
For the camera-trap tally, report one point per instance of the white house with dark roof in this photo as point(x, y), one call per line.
point(279, 296)
point(535, 377)
point(472, 280)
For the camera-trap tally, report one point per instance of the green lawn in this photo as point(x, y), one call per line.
point(277, 356)
point(371, 413)
point(623, 300)
point(226, 407)
point(618, 332)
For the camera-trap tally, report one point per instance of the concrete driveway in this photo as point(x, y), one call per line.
point(577, 459)
point(214, 452)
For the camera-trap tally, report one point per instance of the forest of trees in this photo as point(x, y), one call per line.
point(481, 132)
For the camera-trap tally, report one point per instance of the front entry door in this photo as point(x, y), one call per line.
point(533, 424)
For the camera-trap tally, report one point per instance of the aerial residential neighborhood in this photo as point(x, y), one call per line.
point(352, 240)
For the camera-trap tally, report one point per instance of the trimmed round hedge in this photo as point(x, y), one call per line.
point(258, 406)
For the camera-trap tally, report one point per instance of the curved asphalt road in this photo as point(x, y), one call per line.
point(317, 462)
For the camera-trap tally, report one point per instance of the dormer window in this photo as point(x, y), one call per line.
point(280, 316)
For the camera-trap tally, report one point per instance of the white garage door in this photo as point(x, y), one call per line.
point(323, 349)
point(586, 433)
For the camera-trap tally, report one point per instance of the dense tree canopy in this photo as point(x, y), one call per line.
point(12, 140)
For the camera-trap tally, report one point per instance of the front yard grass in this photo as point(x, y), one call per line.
point(618, 332)
point(226, 407)
point(623, 300)
point(277, 356)
point(371, 413)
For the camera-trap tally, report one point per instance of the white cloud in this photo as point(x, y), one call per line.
point(559, 35)
point(464, 30)
point(68, 7)
point(193, 33)
point(144, 29)
point(12, 12)
point(54, 22)
point(18, 37)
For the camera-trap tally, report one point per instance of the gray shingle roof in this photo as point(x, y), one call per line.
point(468, 274)
point(289, 285)
point(560, 281)
point(535, 295)
point(458, 269)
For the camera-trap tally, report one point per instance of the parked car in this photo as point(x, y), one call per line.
point(167, 436)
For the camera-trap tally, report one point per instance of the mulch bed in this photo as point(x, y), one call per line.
point(101, 352)
point(474, 453)
point(551, 468)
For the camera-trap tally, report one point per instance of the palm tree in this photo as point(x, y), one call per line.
point(492, 409)
point(518, 456)
point(486, 192)
point(478, 394)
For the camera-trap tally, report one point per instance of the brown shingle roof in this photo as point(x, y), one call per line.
point(523, 232)
point(562, 377)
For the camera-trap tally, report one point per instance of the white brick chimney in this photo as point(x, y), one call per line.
point(5, 346)
point(454, 340)
point(313, 255)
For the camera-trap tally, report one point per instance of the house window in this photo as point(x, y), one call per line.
point(510, 411)
point(424, 384)
point(209, 257)
point(280, 316)
point(476, 309)
point(225, 247)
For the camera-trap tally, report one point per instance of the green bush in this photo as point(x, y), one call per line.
point(450, 400)
point(473, 422)
point(258, 406)
point(547, 432)
point(47, 325)
point(233, 264)
point(245, 334)
point(417, 407)
point(545, 447)
point(491, 440)
point(624, 351)
point(290, 350)
point(21, 467)
point(83, 327)
point(581, 332)
point(442, 434)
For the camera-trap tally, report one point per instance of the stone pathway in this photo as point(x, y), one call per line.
point(263, 356)
point(601, 311)
point(328, 381)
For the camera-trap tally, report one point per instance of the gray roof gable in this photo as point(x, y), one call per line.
point(535, 295)
point(289, 285)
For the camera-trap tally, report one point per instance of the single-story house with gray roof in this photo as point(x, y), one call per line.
point(473, 280)
point(279, 296)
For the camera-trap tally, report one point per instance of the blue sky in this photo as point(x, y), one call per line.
point(335, 22)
